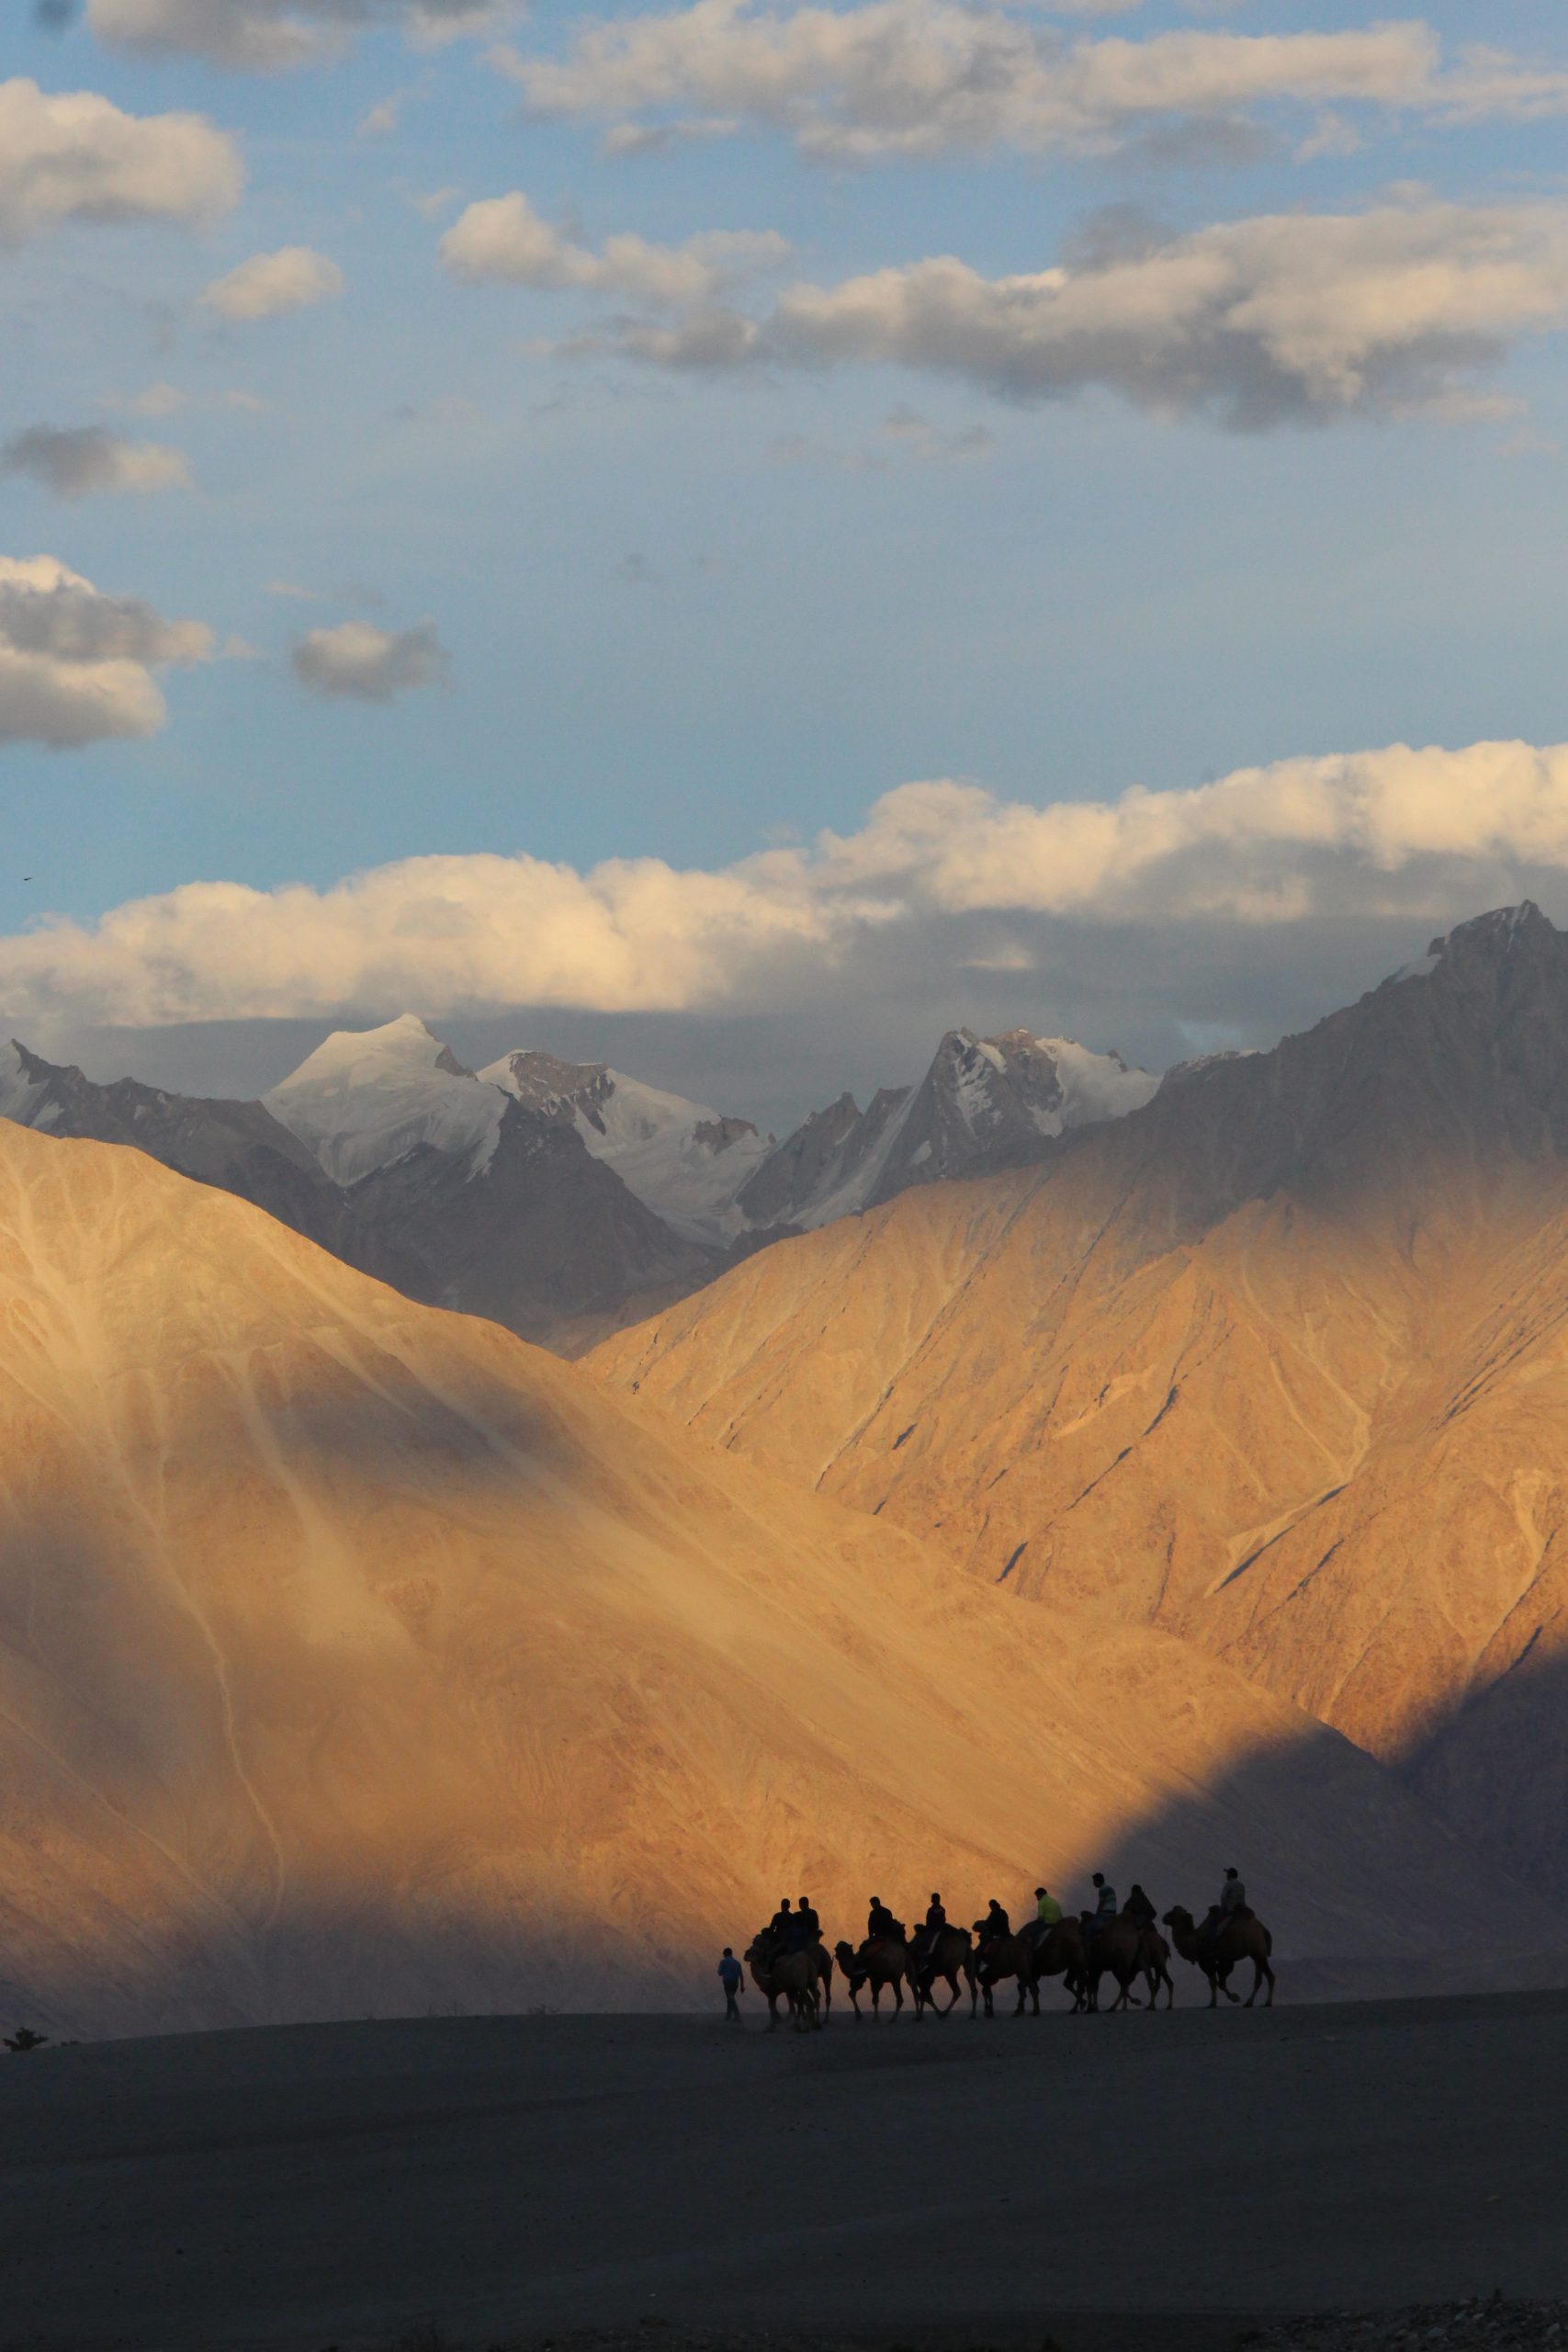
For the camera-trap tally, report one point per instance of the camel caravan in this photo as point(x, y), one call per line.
point(791, 1965)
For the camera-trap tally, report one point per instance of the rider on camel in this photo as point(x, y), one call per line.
point(995, 1923)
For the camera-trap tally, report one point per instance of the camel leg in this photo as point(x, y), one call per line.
point(772, 2012)
point(1213, 1989)
point(897, 1998)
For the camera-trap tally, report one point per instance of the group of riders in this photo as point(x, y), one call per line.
point(789, 1960)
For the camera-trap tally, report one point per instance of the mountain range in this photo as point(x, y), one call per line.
point(556, 1197)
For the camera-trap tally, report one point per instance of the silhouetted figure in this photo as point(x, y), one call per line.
point(1047, 1907)
point(732, 1978)
point(1232, 1895)
point(805, 1913)
point(1138, 1908)
point(936, 1914)
point(880, 1924)
point(1105, 1903)
point(995, 1921)
point(783, 1920)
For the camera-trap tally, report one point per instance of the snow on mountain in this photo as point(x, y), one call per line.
point(682, 1160)
point(365, 1098)
point(1096, 1086)
point(984, 1104)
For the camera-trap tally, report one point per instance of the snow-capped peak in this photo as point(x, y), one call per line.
point(682, 1160)
point(366, 1097)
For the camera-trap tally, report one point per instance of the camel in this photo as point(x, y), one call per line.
point(1058, 1950)
point(949, 1954)
point(1242, 1936)
point(999, 1957)
point(882, 1959)
point(1120, 1949)
point(1035, 1952)
point(795, 1974)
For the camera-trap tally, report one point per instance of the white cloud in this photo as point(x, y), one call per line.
point(364, 663)
point(1286, 317)
point(75, 157)
point(271, 36)
point(84, 460)
point(268, 284)
point(76, 666)
point(503, 238)
point(918, 77)
point(941, 873)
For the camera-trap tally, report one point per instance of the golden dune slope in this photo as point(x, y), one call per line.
point(1324, 1437)
point(357, 1656)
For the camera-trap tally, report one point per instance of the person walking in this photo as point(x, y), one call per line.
point(732, 1978)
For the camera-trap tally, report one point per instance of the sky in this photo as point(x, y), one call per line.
point(733, 537)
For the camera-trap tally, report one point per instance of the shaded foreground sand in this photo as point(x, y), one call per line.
point(963, 2183)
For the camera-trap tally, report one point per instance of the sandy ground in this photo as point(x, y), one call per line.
point(1118, 2181)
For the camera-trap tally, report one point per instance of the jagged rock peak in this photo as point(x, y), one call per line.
point(1502, 931)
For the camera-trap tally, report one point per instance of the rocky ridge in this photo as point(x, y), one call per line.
point(557, 1197)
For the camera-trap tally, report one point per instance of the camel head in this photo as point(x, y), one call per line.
point(1177, 1917)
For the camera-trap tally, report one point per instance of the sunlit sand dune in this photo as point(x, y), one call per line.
point(355, 1656)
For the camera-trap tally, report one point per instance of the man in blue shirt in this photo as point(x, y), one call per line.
point(733, 1981)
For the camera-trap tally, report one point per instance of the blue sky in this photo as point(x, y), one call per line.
point(688, 614)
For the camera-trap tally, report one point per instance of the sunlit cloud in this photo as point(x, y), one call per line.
point(942, 874)
point(76, 156)
point(77, 666)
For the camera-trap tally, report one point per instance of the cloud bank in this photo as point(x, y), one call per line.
point(941, 876)
point(1288, 317)
point(77, 667)
point(75, 157)
point(363, 663)
point(927, 77)
point(84, 460)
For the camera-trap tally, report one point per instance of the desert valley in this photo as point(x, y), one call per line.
point(1186, 1480)
point(784, 1176)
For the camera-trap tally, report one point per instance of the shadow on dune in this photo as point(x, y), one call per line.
point(1312, 1827)
point(1497, 1770)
